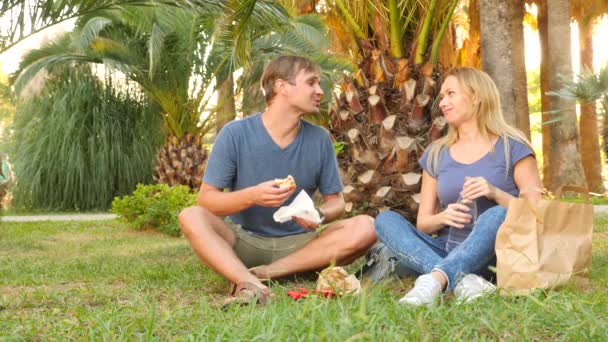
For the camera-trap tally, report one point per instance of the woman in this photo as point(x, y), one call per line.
point(481, 161)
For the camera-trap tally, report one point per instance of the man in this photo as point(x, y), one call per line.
point(248, 155)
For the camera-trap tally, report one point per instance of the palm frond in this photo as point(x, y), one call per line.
point(90, 31)
point(305, 37)
point(589, 87)
point(105, 48)
point(360, 13)
point(27, 17)
point(60, 45)
point(411, 11)
point(247, 20)
point(310, 32)
point(46, 63)
point(155, 47)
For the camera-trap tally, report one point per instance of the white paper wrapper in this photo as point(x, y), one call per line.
point(302, 206)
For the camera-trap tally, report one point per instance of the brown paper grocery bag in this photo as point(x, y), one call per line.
point(544, 244)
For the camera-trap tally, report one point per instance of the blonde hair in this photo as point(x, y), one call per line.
point(487, 112)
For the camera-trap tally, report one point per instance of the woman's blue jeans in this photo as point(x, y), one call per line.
point(423, 254)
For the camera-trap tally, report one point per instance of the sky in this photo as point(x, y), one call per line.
point(9, 60)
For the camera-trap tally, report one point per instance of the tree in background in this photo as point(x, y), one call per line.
point(582, 11)
point(23, 18)
point(384, 114)
point(585, 12)
point(79, 143)
point(470, 53)
point(158, 49)
point(179, 57)
point(588, 89)
point(253, 32)
point(503, 58)
point(564, 158)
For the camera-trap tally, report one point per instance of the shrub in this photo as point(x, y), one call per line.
point(80, 143)
point(154, 206)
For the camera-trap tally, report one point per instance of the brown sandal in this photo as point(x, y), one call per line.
point(246, 293)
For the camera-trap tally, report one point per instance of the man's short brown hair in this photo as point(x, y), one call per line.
point(284, 68)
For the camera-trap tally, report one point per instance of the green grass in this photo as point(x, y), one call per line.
point(11, 211)
point(592, 200)
point(102, 281)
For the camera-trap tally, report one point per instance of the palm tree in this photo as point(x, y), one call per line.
point(589, 88)
point(543, 32)
point(383, 115)
point(564, 157)
point(470, 54)
point(23, 18)
point(158, 49)
point(585, 12)
point(176, 55)
point(264, 30)
point(502, 43)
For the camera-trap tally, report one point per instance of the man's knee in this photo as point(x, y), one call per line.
point(361, 229)
point(189, 216)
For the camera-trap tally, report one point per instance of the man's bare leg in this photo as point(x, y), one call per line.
point(212, 240)
point(342, 242)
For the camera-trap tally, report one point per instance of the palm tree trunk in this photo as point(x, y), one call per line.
point(470, 54)
point(544, 88)
point(520, 91)
point(566, 164)
point(590, 147)
point(501, 24)
point(226, 109)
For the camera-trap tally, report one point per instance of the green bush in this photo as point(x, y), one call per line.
point(80, 143)
point(154, 206)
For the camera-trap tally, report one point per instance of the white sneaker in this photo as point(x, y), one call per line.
point(425, 291)
point(472, 287)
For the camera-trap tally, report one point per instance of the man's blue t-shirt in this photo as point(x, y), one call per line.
point(492, 167)
point(245, 155)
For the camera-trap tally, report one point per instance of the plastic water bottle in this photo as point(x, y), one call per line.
point(472, 204)
point(457, 235)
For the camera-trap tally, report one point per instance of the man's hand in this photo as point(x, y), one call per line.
point(308, 225)
point(267, 194)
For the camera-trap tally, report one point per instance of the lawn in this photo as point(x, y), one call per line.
point(102, 281)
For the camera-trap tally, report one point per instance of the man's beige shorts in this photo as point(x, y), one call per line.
point(255, 250)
